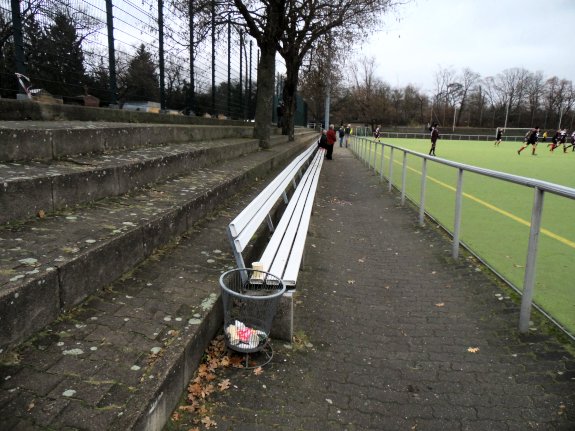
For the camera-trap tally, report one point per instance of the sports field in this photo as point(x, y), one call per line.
point(496, 214)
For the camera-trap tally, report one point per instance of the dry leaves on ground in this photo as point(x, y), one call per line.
point(473, 349)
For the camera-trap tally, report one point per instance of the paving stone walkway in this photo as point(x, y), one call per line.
point(392, 334)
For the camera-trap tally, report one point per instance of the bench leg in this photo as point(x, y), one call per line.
point(282, 326)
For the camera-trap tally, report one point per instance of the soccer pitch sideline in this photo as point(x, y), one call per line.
point(496, 214)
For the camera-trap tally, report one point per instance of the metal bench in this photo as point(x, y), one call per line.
point(283, 254)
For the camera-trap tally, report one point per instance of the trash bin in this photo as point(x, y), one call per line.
point(250, 299)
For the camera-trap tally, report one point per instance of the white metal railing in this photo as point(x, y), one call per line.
point(366, 150)
point(448, 135)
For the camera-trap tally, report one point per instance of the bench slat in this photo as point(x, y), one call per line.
point(293, 265)
point(279, 248)
point(247, 222)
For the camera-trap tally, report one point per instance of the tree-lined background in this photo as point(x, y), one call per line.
point(216, 53)
point(515, 97)
point(208, 64)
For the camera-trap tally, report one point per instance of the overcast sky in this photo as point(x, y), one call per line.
point(487, 36)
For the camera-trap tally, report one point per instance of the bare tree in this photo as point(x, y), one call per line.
point(534, 90)
point(265, 21)
point(468, 81)
point(312, 20)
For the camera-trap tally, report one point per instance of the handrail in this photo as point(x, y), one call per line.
point(362, 148)
point(516, 179)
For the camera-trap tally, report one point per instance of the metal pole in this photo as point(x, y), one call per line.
point(368, 159)
point(382, 163)
point(375, 157)
point(507, 113)
point(213, 57)
point(161, 53)
point(529, 280)
point(422, 194)
point(390, 170)
point(403, 177)
point(457, 220)
point(18, 38)
point(192, 95)
point(241, 101)
point(229, 108)
point(249, 95)
point(111, 53)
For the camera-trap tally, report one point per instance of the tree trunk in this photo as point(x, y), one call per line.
point(289, 99)
point(264, 96)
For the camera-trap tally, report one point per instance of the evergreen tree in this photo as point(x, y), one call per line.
point(141, 80)
point(62, 68)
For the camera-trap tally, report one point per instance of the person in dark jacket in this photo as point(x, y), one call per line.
point(498, 137)
point(322, 141)
point(331, 138)
point(531, 140)
point(434, 137)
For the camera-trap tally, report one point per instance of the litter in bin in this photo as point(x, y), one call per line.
point(240, 335)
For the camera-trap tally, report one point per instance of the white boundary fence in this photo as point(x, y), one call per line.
point(366, 150)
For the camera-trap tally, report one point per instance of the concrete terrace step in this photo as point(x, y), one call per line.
point(47, 140)
point(49, 265)
point(31, 186)
point(123, 358)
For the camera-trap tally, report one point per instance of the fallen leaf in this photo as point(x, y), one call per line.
point(473, 349)
point(258, 371)
point(224, 384)
point(188, 408)
point(176, 417)
point(439, 304)
point(41, 214)
point(237, 361)
point(208, 423)
point(361, 260)
point(350, 281)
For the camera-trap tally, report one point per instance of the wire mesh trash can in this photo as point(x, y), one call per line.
point(250, 299)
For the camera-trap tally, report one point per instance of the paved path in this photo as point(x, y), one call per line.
point(393, 335)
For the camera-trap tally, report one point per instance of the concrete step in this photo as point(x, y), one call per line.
point(49, 265)
point(122, 359)
point(55, 140)
point(31, 187)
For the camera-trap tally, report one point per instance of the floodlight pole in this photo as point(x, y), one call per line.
point(507, 113)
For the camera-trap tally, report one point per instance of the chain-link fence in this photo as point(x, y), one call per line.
point(182, 55)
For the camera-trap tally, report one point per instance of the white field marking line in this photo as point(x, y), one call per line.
point(524, 222)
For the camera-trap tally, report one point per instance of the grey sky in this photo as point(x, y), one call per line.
point(487, 36)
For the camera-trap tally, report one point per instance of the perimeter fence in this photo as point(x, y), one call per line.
point(181, 54)
point(508, 243)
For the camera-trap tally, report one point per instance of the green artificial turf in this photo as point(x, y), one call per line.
point(496, 214)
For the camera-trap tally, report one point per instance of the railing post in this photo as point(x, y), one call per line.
point(382, 161)
point(390, 170)
point(529, 280)
point(422, 194)
point(368, 159)
point(403, 177)
point(375, 157)
point(457, 220)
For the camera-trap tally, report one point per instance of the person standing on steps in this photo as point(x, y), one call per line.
point(531, 140)
point(434, 137)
